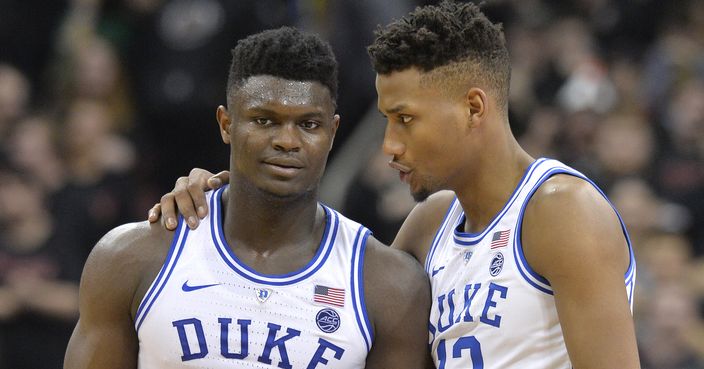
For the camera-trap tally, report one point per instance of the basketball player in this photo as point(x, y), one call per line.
point(530, 265)
point(274, 279)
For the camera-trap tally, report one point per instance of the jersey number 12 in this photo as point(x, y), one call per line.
point(463, 343)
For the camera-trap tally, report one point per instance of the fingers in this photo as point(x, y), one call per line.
point(197, 195)
point(188, 198)
point(217, 180)
point(168, 211)
point(154, 213)
point(184, 199)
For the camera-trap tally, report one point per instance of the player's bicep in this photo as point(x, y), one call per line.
point(105, 336)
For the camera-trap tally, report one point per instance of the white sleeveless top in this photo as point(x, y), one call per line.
point(207, 309)
point(490, 309)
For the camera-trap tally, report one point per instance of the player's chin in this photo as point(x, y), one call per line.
point(288, 191)
point(421, 194)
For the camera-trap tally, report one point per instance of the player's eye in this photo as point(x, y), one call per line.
point(262, 121)
point(405, 119)
point(309, 124)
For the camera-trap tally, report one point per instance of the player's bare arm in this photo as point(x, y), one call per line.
point(418, 230)
point(397, 296)
point(572, 236)
point(115, 277)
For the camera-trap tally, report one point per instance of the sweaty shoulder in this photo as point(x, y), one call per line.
point(419, 228)
point(568, 220)
point(126, 260)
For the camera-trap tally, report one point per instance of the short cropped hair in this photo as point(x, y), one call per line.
point(286, 53)
point(451, 42)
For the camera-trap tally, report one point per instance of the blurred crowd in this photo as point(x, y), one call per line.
point(104, 103)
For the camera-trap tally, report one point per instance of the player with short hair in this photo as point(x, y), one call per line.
point(274, 278)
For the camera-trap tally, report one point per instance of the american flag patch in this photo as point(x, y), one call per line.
point(329, 295)
point(500, 239)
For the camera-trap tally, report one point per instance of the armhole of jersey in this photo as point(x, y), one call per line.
point(538, 281)
point(180, 235)
point(357, 285)
point(529, 275)
point(630, 275)
point(438, 235)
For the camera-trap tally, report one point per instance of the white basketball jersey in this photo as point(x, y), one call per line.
point(207, 309)
point(490, 309)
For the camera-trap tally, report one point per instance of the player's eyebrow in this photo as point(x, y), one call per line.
point(395, 109)
point(317, 114)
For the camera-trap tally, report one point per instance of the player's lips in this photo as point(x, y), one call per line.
point(404, 172)
point(285, 166)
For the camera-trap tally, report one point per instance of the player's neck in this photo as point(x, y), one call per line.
point(264, 223)
point(490, 183)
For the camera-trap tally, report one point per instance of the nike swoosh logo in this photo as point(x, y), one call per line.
point(187, 288)
point(436, 271)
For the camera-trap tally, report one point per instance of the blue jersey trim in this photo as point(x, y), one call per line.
point(529, 274)
point(182, 234)
point(467, 239)
point(357, 284)
point(522, 262)
point(631, 270)
point(229, 257)
point(630, 275)
point(438, 235)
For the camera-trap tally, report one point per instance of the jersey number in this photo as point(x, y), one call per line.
point(463, 343)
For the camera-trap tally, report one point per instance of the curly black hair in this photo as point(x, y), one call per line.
point(432, 37)
point(286, 53)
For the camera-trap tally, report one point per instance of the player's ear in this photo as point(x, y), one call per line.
point(335, 126)
point(224, 122)
point(476, 103)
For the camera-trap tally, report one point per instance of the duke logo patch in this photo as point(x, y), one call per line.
point(262, 294)
point(497, 264)
point(328, 320)
point(467, 256)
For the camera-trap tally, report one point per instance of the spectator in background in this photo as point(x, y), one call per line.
point(623, 146)
point(672, 330)
point(14, 98)
point(680, 168)
point(93, 70)
point(33, 148)
point(673, 343)
point(100, 165)
point(39, 273)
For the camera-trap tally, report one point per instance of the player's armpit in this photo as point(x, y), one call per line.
point(397, 292)
point(105, 337)
point(572, 236)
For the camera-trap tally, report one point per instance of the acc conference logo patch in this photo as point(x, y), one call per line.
point(328, 320)
point(497, 264)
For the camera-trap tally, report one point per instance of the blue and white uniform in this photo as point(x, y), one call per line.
point(207, 309)
point(490, 309)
